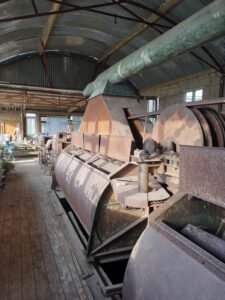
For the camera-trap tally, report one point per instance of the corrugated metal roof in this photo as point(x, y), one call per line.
point(91, 34)
point(65, 70)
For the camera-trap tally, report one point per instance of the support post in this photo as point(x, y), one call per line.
point(143, 178)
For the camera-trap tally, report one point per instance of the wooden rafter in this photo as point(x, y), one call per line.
point(40, 100)
point(45, 36)
point(48, 27)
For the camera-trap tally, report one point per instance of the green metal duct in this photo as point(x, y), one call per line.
point(205, 25)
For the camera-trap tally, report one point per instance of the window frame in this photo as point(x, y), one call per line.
point(193, 98)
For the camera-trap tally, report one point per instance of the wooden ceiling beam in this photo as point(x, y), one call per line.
point(39, 100)
point(48, 27)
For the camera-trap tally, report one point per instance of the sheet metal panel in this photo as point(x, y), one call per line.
point(118, 147)
point(105, 116)
point(202, 173)
point(91, 142)
point(77, 139)
point(178, 124)
point(160, 267)
point(82, 185)
point(96, 119)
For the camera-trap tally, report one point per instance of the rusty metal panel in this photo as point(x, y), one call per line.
point(178, 124)
point(97, 118)
point(89, 192)
point(116, 147)
point(85, 155)
point(118, 108)
point(105, 164)
point(82, 185)
point(91, 142)
point(77, 139)
point(164, 265)
point(203, 173)
point(105, 115)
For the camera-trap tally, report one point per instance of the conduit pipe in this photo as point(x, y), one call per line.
point(205, 25)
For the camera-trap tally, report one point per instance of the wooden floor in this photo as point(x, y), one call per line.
point(40, 255)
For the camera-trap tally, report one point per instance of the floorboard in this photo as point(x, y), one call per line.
point(39, 259)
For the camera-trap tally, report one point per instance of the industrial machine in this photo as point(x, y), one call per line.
point(100, 181)
point(112, 187)
point(181, 253)
point(111, 195)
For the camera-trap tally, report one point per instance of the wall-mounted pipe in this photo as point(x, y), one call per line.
point(205, 25)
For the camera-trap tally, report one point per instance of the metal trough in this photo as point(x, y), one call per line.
point(93, 171)
point(86, 180)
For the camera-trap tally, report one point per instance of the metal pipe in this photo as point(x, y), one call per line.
point(143, 178)
point(205, 25)
point(207, 241)
point(41, 89)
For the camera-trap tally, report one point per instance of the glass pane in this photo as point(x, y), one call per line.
point(52, 125)
point(31, 126)
point(150, 105)
point(198, 95)
point(153, 104)
point(188, 96)
point(30, 115)
point(76, 122)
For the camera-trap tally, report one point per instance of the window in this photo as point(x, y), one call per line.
point(193, 95)
point(76, 119)
point(52, 124)
point(31, 124)
point(198, 95)
point(153, 105)
point(189, 97)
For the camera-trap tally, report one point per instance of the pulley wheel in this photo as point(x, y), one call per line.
point(205, 127)
point(177, 124)
point(217, 132)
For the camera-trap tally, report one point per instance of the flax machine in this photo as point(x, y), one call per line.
point(113, 192)
point(100, 181)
